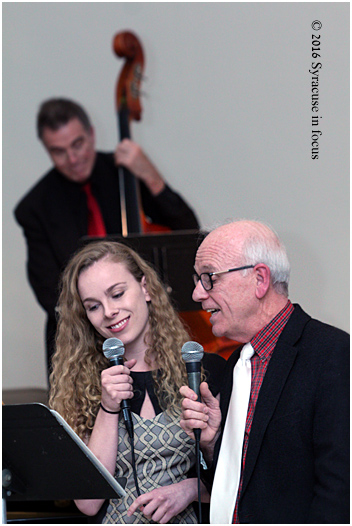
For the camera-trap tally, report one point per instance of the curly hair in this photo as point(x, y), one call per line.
point(78, 359)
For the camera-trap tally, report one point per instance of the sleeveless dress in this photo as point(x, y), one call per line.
point(164, 453)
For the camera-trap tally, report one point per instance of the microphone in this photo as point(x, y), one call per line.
point(113, 350)
point(192, 353)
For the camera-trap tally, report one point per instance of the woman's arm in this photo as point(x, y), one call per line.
point(103, 443)
point(116, 386)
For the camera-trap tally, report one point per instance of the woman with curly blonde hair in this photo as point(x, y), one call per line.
point(107, 290)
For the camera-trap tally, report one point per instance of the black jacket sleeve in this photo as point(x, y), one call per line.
point(43, 267)
point(168, 209)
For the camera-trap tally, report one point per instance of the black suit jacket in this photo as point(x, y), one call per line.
point(297, 463)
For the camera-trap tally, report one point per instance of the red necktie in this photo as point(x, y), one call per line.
point(96, 227)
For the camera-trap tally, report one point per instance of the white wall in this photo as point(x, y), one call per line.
point(227, 119)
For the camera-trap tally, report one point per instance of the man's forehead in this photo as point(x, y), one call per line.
point(219, 248)
point(211, 255)
point(66, 132)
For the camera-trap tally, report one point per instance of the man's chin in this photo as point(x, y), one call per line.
point(217, 331)
point(77, 178)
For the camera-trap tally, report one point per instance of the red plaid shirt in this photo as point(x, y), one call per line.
point(263, 344)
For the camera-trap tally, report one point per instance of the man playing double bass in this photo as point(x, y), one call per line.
point(59, 209)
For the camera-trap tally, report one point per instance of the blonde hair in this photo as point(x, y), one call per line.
point(78, 360)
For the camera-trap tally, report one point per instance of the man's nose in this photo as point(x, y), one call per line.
point(71, 155)
point(199, 292)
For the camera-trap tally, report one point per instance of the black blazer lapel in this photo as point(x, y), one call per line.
point(279, 368)
point(274, 381)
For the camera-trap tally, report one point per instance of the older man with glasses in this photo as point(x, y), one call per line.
point(277, 447)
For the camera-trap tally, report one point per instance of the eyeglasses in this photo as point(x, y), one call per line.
point(206, 277)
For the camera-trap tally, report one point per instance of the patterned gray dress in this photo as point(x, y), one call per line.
point(164, 453)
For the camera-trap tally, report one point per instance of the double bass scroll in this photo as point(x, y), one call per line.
point(126, 45)
point(128, 107)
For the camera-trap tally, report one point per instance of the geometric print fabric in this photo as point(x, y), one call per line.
point(164, 454)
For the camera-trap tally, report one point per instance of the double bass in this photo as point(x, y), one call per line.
point(128, 108)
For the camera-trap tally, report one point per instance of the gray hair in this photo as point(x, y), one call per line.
point(264, 246)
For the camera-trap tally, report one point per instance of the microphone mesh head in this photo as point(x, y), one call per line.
point(192, 352)
point(113, 347)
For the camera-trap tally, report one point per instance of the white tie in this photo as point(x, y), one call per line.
point(228, 468)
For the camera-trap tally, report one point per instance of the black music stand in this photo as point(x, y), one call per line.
point(43, 459)
point(172, 255)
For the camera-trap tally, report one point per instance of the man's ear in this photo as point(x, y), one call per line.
point(262, 274)
point(92, 133)
point(144, 287)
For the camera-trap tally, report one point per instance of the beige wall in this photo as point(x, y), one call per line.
point(227, 118)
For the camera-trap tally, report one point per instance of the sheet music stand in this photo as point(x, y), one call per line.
point(43, 459)
point(172, 255)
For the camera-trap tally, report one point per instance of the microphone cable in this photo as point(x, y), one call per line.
point(197, 437)
point(134, 465)
point(113, 350)
point(130, 431)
